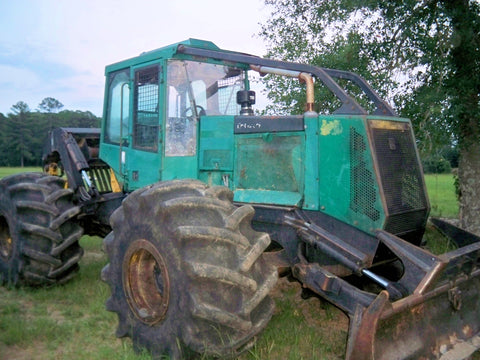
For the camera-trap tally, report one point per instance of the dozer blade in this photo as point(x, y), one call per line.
point(459, 236)
point(440, 319)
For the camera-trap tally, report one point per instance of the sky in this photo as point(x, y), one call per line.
point(59, 48)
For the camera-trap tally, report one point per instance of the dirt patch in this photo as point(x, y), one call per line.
point(56, 316)
point(35, 351)
point(312, 304)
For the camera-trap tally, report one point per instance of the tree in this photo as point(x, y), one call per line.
point(20, 132)
point(4, 145)
point(424, 56)
point(50, 105)
point(20, 108)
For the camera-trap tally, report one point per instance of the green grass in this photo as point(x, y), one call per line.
point(70, 321)
point(301, 328)
point(63, 322)
point(5, 171)
point(441, 192)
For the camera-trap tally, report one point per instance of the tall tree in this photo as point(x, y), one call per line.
point(20, 108)
point(21, 133)
point(463, 86)
point(50, 105)
point(4, 146)
point(422, 55)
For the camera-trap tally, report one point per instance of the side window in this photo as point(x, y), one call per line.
point(118, 106)
point(146, 109)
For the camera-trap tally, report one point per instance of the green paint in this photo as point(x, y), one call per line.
point(348, 185)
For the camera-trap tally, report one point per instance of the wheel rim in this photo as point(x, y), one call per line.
point(6, 242)
point(146, 282)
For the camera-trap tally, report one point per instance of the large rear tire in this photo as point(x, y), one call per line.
point(38, 237)
point(186, 271)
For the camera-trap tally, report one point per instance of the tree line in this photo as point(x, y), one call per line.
point(23, 132)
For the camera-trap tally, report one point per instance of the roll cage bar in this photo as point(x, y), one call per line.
point(326, 76)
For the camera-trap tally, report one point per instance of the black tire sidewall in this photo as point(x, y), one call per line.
point(192, 228)
point(168, 330)
point(11, 267)
point(32, 261)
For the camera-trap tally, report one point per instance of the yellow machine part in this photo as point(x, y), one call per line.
point(114, 182)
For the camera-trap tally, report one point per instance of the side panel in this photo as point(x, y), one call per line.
point(312, 180)
point(216, 150)
point(110, 153)
point(348, 184)
point(269, 168)
point(180, 167)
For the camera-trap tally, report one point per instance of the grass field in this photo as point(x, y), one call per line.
point(70, 321)
point(5, 171)
point(441, 192)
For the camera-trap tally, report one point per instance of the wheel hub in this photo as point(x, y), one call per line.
point(146, 282)
point(6, 242)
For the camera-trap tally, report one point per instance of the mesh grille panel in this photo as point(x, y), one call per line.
point(403, 223)
point(362, 184)
point(145, 130)
point(399, 169)
point(227, 92)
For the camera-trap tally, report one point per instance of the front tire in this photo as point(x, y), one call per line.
point(186, 271)
point(38, 237)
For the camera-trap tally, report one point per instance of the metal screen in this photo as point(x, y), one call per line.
point(400, 174)
point(146, 118)
point(362, 183)
point(227, 94)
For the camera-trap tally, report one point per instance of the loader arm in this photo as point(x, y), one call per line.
point(62, 150)
point(73, 152)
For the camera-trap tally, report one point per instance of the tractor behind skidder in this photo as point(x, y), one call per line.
point(202, 201)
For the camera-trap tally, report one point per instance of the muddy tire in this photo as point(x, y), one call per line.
point(186, 271)
point(38, 237)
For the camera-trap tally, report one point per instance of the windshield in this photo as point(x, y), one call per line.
point(196, 89)
point(211, 87)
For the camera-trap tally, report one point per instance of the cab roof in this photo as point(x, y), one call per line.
point(165, 52)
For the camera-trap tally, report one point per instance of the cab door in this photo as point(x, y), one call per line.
point(143, 156)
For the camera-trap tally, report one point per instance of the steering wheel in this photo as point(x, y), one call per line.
point(200, 111)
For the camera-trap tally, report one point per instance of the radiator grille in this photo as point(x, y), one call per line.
point(400, 175)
